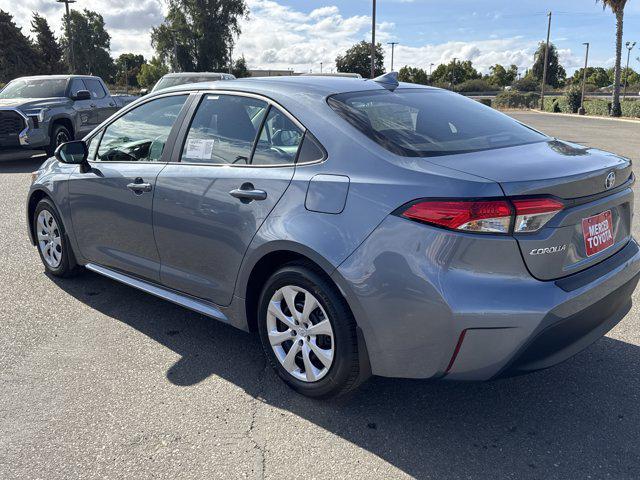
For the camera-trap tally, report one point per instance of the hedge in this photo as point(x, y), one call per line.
point(631, 108)
point(514, 99)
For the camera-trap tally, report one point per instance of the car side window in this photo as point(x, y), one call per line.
point(140, 134)
point(95, 88)
point(75, 86)
point(279, 140)
point(223, 130)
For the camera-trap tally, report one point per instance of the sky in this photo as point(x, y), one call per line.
point(299, 35)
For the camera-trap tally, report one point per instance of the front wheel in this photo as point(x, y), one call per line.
point(51, 239)
point(308, 332)
point(59, 135)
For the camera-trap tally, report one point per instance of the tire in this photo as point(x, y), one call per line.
point(52, 241)
point(305, 372)
point(59, 135)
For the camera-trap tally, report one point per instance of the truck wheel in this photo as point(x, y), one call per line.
point(59, 135)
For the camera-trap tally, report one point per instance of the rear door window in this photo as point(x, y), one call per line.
point(95, 88)
point(223, 130)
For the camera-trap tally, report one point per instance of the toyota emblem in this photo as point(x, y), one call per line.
point(610, 181)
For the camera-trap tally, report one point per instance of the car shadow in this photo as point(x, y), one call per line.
point(25, 165)
point(577, 420)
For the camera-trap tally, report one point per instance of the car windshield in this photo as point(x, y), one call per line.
point(425, 122)
point(167, 82)
point(41, 88)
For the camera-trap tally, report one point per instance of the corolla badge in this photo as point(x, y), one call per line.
point(546, 250)
point(610, 181)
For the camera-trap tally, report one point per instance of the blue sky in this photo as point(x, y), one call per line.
point(301, 34)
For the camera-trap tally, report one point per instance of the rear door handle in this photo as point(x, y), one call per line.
point(139, 186)
point(247, 193)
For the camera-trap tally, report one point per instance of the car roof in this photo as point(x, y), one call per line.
point(288, 85)
point(55, 77)
point(199, 74)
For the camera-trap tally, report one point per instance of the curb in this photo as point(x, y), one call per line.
point(575, 115)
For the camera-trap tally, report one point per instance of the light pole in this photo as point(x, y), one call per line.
point(584, 79)
point(72, 61)
point(320, 67)
point(373, 40)
point(629, 46)
point(453, 72)
point(430, 69)
point(546, 60)
point(393, 44)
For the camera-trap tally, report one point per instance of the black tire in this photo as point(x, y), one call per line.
point(59, 135)
point(343, 374)
point(68, 265)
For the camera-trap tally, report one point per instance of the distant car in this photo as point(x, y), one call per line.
point(181, 78)
point(359, 226)
point(45, 111)
point(334, 74)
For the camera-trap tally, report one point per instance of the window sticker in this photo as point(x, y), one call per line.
point(200, 148)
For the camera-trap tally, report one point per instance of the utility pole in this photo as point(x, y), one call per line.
point(373, 41)
point(629, 46)
point(430, 69)
point(393, 44)
point(126, 77)
point(320, 67)
point(584, 79)
point(453, 73)
point(72, 60)
point(546, 60)
point(230, 57)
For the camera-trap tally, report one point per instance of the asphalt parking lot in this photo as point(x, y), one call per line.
point(99, 380)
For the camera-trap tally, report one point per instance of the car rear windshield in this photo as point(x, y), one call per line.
point(42, 88)
point(425, 123)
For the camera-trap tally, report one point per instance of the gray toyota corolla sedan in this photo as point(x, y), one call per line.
point(359, 226)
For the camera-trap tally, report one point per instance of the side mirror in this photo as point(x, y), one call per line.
point(75, 153)
point(82, 95)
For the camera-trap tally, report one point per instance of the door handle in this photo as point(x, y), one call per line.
point(247, 193)
point(139, 186)
point(111, 104)
point(93, 105)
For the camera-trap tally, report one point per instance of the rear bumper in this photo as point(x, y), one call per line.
point(433, 303)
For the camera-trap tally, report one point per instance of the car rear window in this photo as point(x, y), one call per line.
point(424, 122)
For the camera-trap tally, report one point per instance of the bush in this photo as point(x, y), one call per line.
point(596, 106)
point(526, 84)
point(477, 85)
point(573, 96)
point(513, 99)
point(532, 100)
point(631, 108)
point(484, 101)
point(551, 105)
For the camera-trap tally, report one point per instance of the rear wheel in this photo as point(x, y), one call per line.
point(308, 332)
point(59, 135)
point(52, 241)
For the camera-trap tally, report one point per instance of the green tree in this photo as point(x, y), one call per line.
point(239, 68)
point(151, 72)
point(197, 34)
point(502, 77)
point(91, 44)
point(358, 60)
point(413, 75)
point(596, 76)
point(630, 74)
point(47, 46)
point(18, 56)
point(556, 73)
point(128, 66)
point(454, 72)
point(617, 7)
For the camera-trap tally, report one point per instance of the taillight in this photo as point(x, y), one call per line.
point(533, 213)
point(485, 216)
point(489, 216)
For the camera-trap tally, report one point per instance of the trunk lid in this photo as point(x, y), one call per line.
point(595, 209)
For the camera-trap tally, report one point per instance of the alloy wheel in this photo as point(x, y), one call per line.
point(300, 333)
point(61, 137)
point(49, 239)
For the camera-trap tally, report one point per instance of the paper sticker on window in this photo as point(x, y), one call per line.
point(200, 149)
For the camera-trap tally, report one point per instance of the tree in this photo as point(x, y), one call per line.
point(47, 47)
point(239, 68)
point(413, 75)
point(501, 77)
point(197, 35)
point(91, 44)
point(454, 72)
point(151, 72)
point(128, 66)
point(18, 56)
point(556, 73)
point(596, 76)
point(617, 7)
point(358, 60)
